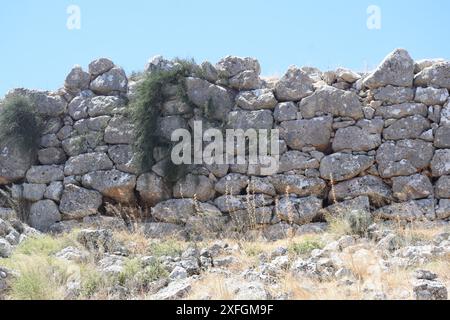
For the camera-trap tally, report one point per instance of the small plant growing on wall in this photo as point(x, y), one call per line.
point(146, 111)
point(20, 125)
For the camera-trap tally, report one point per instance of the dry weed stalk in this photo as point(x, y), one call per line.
point(131, 216)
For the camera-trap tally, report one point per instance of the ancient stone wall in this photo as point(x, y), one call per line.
point(377, 142)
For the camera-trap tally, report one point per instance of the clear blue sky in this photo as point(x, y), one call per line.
point(37, 49)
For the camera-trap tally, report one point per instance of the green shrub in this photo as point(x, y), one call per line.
point(130, 268)
point(20, 124)
point(252, 249)
point(146, 111)
point(41, 278)
point(91, 281)
point(135, 276)
point(305, 246)
point(41, 245)
point(165, 248)
point(153, 272)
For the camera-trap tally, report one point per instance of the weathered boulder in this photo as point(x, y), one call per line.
point(442, 188)
point(45, 174)
point(14, 163)
point(365, 136)
point(246, 80)
point(50, 156)
point(43, 214)
point(84, 126)
point(197, 186)
point(298, 210)
point(115, 80)
point(426, 63)
point(373, 187)
point(296, 160)
point(261, 119)
point(407, 128)
point(445, 115)
point(396, 69)
point(294, 85)
point(77, 202)
point(162, 230)
point(176, 290)
point(402, 110)
point(344, 166)
point(259, 185)
point(175, 211)
point(230, 203)
point(251, 217)
point(431, 96)
point(442, 137)
point(437, 75)
point(100, 66)
point(285, 111)
point(46, 103)
point(209, 72)
point(159, 63)
point(443, 210)
point(88, 162)
point(404, 157)
point(315, 132)
point(430, 290)
point(393, 95)
point(329, 100)
point(299, 185)
point(412, 187)
point(358, 204)
point(167, 125)
point(256, 99)
point(123, 157)
point(120, 130)
point(33, 192)
point(50, 141)
point(215, 100)
point(78, 108)
point(75, 146)
point(409, 211)
point(152, 189)
point(105, 105)
point(347, 75)
point(233, 184)
point(77, 79)
point(231, 66)
point(218, 170)
point(100, 240)
point(440, 165)
point(113, 184)
point(175, 107)
point(206, 226)
point(54, 191)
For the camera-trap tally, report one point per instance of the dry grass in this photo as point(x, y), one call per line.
point(416, 233)
point(136, 241)
point(211, 286)
point(45, 277)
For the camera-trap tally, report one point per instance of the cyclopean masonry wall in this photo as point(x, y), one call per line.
point(378, 142)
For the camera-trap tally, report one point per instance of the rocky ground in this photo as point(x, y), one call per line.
point(388, 261)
